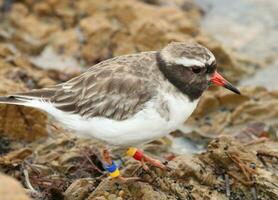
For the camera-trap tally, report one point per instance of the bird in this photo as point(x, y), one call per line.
point(131, 99)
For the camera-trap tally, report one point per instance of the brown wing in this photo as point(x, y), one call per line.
point(110, 89)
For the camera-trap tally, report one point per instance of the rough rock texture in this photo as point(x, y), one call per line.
point(17, 75)
point(239, 167)
point(224, 171)
point(222, 112)
point(90, 31)
point(7, 184)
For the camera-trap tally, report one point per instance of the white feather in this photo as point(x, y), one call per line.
point(145, 126)
point(211, 59)
point(187, 62)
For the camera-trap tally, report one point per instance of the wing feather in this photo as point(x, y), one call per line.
point(108, 90)
point(117, 89)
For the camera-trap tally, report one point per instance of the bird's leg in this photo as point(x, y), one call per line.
point(145, 167)
point(143, 158)
point(110, 165)
point(113, 169)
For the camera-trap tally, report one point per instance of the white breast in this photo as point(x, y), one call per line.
point(145, 126)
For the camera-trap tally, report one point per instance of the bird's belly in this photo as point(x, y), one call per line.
point(145, 126)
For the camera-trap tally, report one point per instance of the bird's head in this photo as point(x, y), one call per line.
point(191, 68)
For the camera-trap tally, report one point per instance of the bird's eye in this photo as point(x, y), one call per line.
point(211, 68)
point(196, 70)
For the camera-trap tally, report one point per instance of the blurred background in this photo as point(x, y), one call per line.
point(48, 42)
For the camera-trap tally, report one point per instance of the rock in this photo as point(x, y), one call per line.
point(200, 176)
point(48, 59)
point(207, 104)
point(30, 123)
point(233, 68)
point(15, 158)
point(11, 189)
point(31, 32)
point(222, 112)
point(18, 75)
point(143, 190)
point(96, 30)
point(79, 189)
point(129, 23)
point(147, 192)
point(105, 27)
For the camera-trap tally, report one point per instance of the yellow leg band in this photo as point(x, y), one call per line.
point(131, 151)
point(115, 174)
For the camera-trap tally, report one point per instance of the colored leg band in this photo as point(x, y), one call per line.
point(113, 170)
point(115, 174)
point(135, 153)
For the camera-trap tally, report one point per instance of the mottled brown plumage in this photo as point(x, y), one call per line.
point(116, 89)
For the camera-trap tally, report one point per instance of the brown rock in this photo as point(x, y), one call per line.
point(17, 75)
point(10, 189)
point(222, 112)
point(79, 189)
point(15, 157)
point(96, 30)
point(147, 192)
point(22, 123)
point(230, 100)
point(207, 104)
point(42, 8)
point(195, 175)
point(225, 59)
point(113, 28)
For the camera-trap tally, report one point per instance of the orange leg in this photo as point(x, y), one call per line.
point(143, 158)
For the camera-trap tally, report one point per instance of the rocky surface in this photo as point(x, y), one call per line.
point(47, 42)
point(17, 192)
point(225, 170)
point(66, 167)
point(222, 112)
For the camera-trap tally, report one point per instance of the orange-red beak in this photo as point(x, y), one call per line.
point(217, 79)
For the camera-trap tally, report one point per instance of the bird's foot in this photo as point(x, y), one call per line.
point(143, 158)
point(144, 165)
point(153, 162)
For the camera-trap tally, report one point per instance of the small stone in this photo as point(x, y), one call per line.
point(121, 193)
point(11, 189)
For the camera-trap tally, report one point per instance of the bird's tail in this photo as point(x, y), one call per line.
point(26, 97)
point(11, 100)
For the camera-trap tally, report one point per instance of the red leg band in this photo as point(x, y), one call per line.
point(138, 155)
